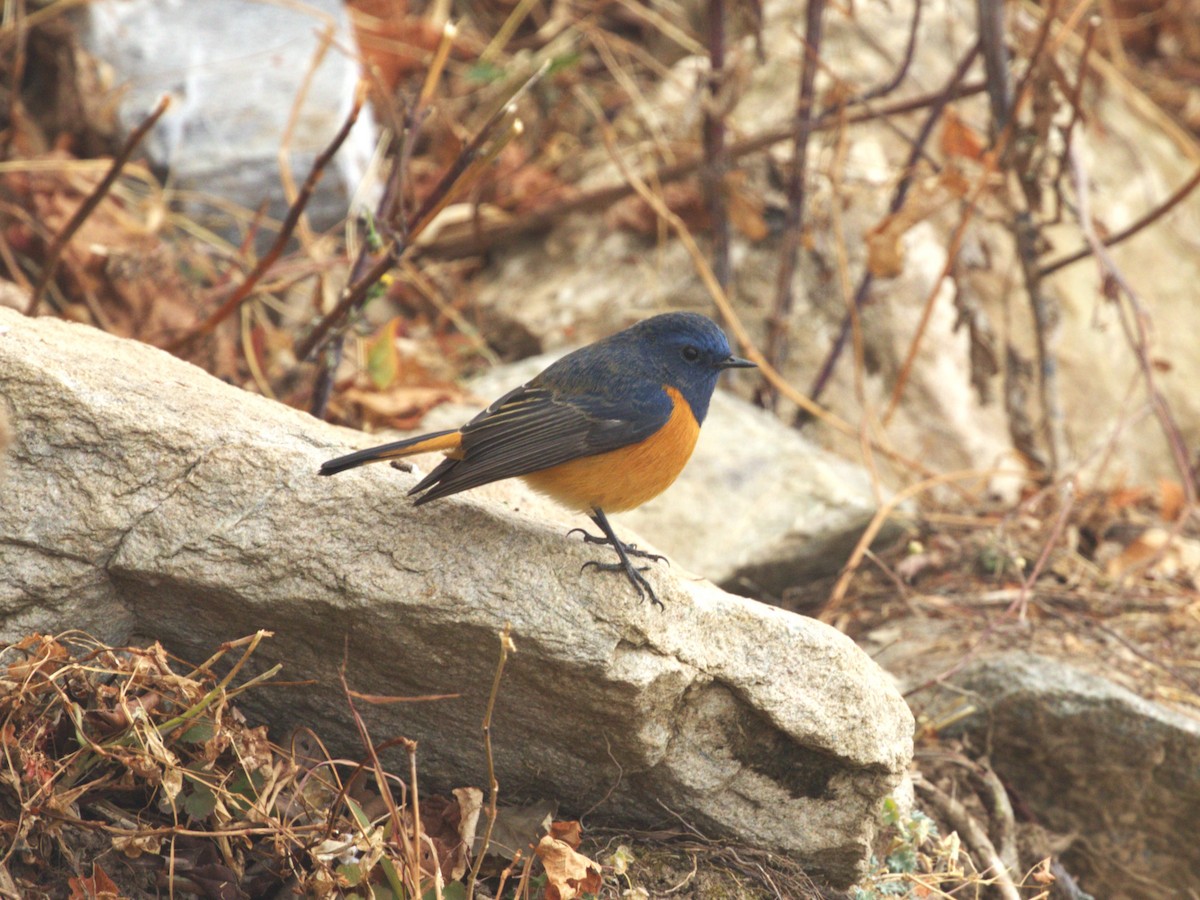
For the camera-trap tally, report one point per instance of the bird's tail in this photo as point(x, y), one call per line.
point(446, 441)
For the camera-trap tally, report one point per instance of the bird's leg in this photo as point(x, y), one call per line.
point(624, 551)
point(608, 540)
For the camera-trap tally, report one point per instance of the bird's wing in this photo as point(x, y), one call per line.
point(535, 427)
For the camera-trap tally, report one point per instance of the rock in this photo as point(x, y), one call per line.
point(145, 498)
point(758, 508)
point(1089, 757)
point(234, 69)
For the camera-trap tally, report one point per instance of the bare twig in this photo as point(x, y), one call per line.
point(995, 60)
point(837, 597)
point(936, 108)
point(506, 647)
point(902, 70)
point(716, 154)
point(295, 211)
point(973, 834)
point(1075, 101)
point(1137, 333)
point(1066, 504)
point(793, 233)
point(412, 852)
point(479, 150)
point(91, 202)
point(1144, 221)
point(490, 236)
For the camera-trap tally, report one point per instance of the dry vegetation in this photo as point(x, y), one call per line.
point(131, 773)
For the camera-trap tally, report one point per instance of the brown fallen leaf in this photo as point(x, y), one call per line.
point(570, 833)
point(1162, 555)
point(885, 242)
point(98, 887)
point(402, 406)
point(959, 138)
point(568, 873)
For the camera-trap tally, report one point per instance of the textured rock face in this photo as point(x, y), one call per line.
point(144, 497)
point(236, 72)
point(1090, 758)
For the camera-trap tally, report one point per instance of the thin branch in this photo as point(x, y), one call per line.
point(974, 836)
point(716, 154)
point(793, 233)
point(1137, 333)
point(1180, 194)
point(93, 200)
point(995, 61)
point(902, 71)
point(506, 647)
point(477, 152)
point(295, 211)
point(1066, 502)
point(490, 236)
point(941, 100)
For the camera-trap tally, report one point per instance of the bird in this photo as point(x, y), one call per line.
point(602, 430)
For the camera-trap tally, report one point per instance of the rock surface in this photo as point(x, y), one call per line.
point(1090, 758)
point(143, 497)
point(234, 70)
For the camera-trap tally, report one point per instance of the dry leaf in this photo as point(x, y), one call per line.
point(568, 873)
point(885, 242)
point(1163, 555)
point(1170, 500)
point(745, 207)
point(959, 139)
point(685, 199)
point(402, 407)
point(98, 887)
point(570, 833)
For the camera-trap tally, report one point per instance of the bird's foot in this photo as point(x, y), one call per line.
point(624, 552)
point(632, 572)
point(630, 549)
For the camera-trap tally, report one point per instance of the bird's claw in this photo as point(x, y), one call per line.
point(630, 549)
point(633, 573)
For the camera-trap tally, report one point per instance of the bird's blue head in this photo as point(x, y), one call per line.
point(689, 351)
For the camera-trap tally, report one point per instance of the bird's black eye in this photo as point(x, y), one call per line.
point(690, 353)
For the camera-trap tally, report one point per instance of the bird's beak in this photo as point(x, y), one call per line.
point(733, 362)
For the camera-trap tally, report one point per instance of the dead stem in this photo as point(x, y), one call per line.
point(506, 647)
point(973, 834)
point(936, 107)
point(793, 229)
point(59, 244)
point(1144, 221)
point(490, 236)
point(716, 154)
point(295, 211)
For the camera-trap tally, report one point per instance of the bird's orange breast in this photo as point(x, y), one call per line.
point(629, 476)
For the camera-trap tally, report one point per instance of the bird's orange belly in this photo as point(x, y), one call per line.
point(629, 476)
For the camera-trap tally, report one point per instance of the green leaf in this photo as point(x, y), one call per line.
point(200, 801)
point(484, 73)
point(352, 872)
point(383, 361)
point(198, 732)
point(563, 62)
point(903, 860)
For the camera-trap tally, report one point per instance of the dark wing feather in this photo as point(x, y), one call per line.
point(535, 427)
